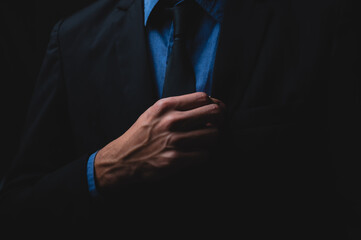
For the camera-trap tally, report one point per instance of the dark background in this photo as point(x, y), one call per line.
point(25, 27)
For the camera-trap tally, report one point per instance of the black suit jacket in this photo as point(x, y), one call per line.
point(279, 170)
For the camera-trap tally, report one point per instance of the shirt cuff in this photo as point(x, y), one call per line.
point(90, 176)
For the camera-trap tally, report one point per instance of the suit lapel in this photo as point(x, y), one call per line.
point(128, 83)
point(133, 52)
point(242, 36)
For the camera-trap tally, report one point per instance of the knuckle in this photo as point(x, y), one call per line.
point(215, 108)
point(173, 140)
point(163, 105)
point(169, 121)
point(203, 97)
point(163, 162)
point(173, 155)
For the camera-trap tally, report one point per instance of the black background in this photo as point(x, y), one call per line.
point(25, 27)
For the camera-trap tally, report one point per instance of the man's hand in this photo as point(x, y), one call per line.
point(173, 134)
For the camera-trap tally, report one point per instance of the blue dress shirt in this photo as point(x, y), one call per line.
point(201, 46)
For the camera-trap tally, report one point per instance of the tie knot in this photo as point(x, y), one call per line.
point(182, 13)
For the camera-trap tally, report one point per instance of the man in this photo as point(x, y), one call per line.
point(187, 115)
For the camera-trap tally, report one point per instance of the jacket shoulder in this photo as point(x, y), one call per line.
point(91, 17)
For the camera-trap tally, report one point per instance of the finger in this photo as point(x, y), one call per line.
point(197, 139)
point(219, 102)
point(186, 159)
point(193, 158)
point(189, 101)
point(211, 114)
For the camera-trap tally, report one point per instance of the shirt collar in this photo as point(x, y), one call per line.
point(213, 7)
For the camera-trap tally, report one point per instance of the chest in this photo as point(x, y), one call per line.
point(270, 69)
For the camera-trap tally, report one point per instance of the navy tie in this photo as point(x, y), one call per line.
point(180, 77)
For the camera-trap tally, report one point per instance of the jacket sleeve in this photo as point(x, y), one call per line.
point(48, 179)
